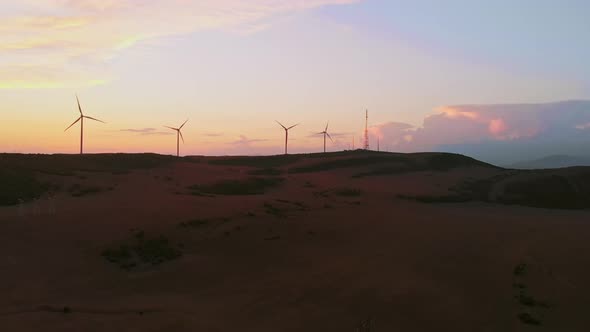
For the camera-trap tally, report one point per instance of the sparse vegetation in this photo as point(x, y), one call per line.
point(309, 185)
point(266, 172)
point(528, 319)
point(195, 223)
point(120, 255)
point(447, 161)
point(301, 205)
point(323, 193)
point(259, 162)
point(451, 198)
point(144, 252)
point(19, 186)
point(78, 190)
point(251, 186)
point(347, 192)
point(67, 165)
point(424, 162)
point(197, 193)
point(520, 269)
point(529, 301)
point(550, 191)
point(275, 211)
point(568, 191)
point(400, 168)
point(344, 163)
point(200, 223)
point(525, 299)
point(298, 204)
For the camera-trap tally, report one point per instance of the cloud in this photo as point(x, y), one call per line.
point(494, 132)
point(245, 141)
point(213, 134)
point(583, 126)
point(70, 42)
point(147, 131)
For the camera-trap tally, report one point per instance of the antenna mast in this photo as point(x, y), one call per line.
point(366, 130)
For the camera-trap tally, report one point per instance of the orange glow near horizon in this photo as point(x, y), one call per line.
point(234, 67)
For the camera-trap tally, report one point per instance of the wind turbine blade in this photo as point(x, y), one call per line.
point(330, 137)
point(183, 124)
point(327, 126)
point(172, 128)
point(73, 124)
point(79, 107)
point(293, 126)
point(281, 125)
point(180, 132)
point(91, 118)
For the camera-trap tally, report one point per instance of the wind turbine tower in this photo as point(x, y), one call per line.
point(178, 137)
point(286, 133)
point(366, 147)
point(81, 120)
point(325, 133)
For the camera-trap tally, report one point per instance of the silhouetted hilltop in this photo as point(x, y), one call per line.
point(21, 174)
point(26, 177)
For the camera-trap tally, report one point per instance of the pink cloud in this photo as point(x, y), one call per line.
point(497, 127)
point(473, 124)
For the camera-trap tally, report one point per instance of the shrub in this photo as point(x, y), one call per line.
point(528, 319)
point(348, 192)
point(251, 186)
point(520, 269)
point(266, 172)
point(194, 223)
point(151, 252)
point(19, 186)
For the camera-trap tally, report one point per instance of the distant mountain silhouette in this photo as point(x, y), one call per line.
point(554, 161)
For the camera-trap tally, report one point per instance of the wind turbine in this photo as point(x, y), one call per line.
point(178, 137)
point(81, 120)
point(286, 133)
point(325, 133)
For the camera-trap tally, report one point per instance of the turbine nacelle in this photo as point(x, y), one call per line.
point(325, 133)
point(178, 135)
point(286, 132)
point(81, 120)
point(293, 126)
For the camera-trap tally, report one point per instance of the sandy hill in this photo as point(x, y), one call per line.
point(319, 242)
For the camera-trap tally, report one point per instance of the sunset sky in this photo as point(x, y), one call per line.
point(233, 67)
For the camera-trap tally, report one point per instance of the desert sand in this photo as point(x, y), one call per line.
point(310, 243)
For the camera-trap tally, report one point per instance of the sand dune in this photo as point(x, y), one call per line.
point(418, 242)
